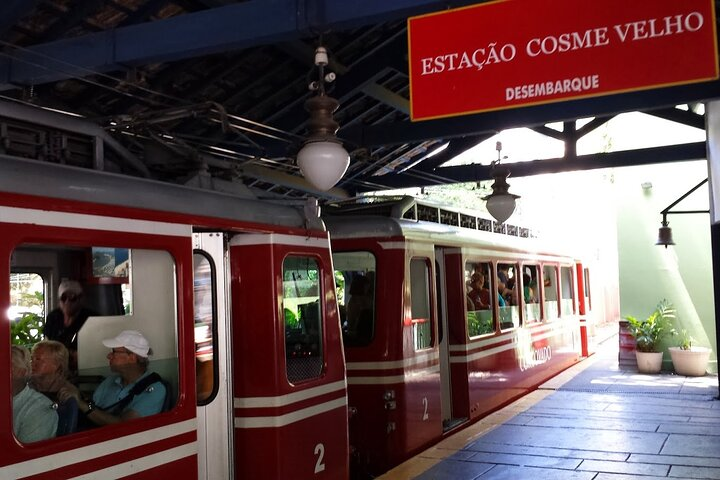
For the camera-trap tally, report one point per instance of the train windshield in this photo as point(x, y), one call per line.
point(355, 291)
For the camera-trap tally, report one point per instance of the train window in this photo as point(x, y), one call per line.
point(550, 296)
point(567, 289)
point(95, 287)
point(531, 293)
point(355, 292)
point(479, 301)
point(206, 366)
point(508, 285)
point(303, 318)
point(586, 289)
point(420, 303)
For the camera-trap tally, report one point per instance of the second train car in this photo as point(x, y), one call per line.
point(446, 317)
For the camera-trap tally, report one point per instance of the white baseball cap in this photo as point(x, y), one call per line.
point(132, 340)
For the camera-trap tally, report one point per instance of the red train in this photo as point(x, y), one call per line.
point(434, 349)
point(246, 308)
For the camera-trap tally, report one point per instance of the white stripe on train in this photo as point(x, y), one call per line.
point(290, 398)
point(95, 222)
point(90, 452)
point(276, 421)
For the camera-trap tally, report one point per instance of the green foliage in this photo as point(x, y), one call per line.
point(477, 325)
point(291, 320)
point(686, 340)
point(654, 328)
point(27, 330)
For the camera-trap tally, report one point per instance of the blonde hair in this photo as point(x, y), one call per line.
point(58, 352)
point(20, 358)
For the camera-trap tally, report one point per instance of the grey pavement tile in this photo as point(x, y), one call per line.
point(618, 424)
point(461, 455)
point(691, 445)
point(454, 470)
point(625, 467)
point(690, 428)
point(676, 460)
point(620, 476)
point(641, 408)
point(578, 438)
point(613, 414)
point(481, 446)
point(526, 460)
point(508, 472)
point(695, 472)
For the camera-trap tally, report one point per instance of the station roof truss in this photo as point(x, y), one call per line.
point(196, 91)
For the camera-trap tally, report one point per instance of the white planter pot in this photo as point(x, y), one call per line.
point(691, 363)
point(649, 362)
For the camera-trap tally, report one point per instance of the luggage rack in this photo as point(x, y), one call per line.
point(411, 208)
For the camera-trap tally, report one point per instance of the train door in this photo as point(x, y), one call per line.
point(444, 338)
point(212, 357)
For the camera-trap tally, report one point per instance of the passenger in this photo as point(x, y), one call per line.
point(34, 417)
point(528, 290)
point(479, 295)
point(360, 302)
point(49, 368)
point(501, 290)
point(510, 292)
point(132, 392)
point(64, 323)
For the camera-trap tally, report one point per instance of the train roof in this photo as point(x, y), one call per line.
point(421, 220)
point(30, 177)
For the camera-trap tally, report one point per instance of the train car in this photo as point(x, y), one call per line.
point(429, 349)
point(236, 298)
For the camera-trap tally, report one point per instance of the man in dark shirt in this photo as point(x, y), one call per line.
point(63, 323)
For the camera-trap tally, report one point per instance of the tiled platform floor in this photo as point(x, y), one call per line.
point(592, 422)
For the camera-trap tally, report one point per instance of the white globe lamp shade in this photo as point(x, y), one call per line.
point(501, 206)
point(323, 163)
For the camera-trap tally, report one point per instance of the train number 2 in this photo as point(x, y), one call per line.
point(425, 407)
point(320, 452)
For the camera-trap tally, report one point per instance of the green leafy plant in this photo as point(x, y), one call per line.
point(27, 330)
point(655, 327)
point(686, 340)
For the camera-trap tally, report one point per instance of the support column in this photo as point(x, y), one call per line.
point(712, 128)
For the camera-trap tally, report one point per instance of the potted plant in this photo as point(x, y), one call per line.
point(687, 359)
point(648, 333)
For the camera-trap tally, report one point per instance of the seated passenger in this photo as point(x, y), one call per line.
point(528, 290)
point(132, 392)
point(49, 368)
point(63, 323)
point(34, 417)
point(479, 295)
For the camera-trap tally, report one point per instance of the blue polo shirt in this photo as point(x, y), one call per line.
point(148, 402)
point(34, 417)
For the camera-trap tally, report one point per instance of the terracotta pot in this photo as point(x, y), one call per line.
point(649, 362)
point(691, 363)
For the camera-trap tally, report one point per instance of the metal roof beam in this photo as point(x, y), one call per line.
point(408, 132)
point(11, 11)
point(474, 173)
point(232, 27)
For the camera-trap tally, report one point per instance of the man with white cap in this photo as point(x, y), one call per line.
point(132, 391)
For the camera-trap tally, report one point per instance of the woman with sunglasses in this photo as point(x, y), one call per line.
point(63, 323)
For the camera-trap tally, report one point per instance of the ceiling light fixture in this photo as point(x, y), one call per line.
point(665, 232)
point(322, 159)
point(500, 203)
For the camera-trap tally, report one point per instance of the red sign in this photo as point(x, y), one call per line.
point(512, 53)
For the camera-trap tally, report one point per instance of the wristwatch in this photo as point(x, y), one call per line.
point(90, 407)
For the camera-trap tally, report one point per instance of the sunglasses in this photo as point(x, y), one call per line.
point(71, 297)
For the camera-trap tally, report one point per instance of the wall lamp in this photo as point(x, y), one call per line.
point(665, 232)
point(322, 159)
point(500, 203)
